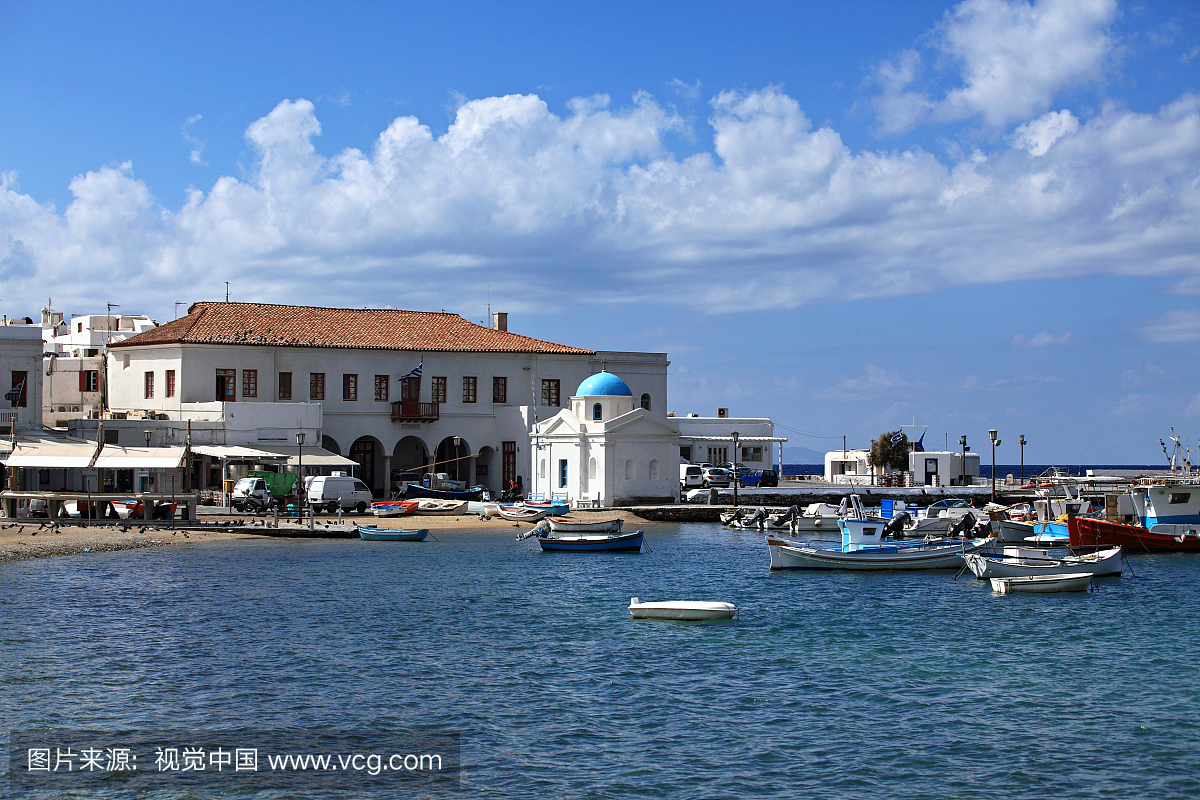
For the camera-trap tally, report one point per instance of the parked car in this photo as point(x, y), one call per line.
point(690, 477)
point(739, 469)
point(760, 477)
point(333, 492)
point(715, 476)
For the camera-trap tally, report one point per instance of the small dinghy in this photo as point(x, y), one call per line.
point(372, 534)
point(614, 542)
point(681, 609)
point(394, 508)
point(1016, 562)
point(552, 509)
point(1043, 584)
point(560, 525)
point(442, 508)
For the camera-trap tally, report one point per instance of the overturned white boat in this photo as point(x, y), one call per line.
point(1043, 584)
point(681, 610)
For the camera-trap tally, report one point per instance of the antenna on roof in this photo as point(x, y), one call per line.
point(226, 291)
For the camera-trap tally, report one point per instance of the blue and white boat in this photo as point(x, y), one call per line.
point(864, 547)
point(615, 542)
point(373, 534)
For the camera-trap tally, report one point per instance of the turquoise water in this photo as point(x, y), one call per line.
point(841, 685)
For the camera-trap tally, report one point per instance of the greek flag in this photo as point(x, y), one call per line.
point(897, 438)
point(13, 395)
point(413, 373)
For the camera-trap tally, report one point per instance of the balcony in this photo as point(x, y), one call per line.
point(412, 411)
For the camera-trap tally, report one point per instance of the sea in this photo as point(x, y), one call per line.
point(1016, 470)
point(526, 668)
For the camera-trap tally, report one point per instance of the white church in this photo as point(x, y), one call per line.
point(604, 449)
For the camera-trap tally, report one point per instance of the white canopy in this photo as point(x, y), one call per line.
point(47, 455)
point(313, 457)
point(116, 457)
point(235, 453)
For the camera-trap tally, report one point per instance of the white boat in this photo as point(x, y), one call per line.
point(681, 609)
point(1043, 584)
point(1020, 562)
point(430, 507)
point(520, 514)
point(563, 525)
point(1008, 530)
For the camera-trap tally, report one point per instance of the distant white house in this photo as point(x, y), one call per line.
point(848, 466)
point(943, 468)
point(710, 440)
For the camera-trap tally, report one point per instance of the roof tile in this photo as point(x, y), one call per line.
point(264, 325)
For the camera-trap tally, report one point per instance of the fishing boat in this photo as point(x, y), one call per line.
point(1043, 584)
point(1162, 538)
point(417, 490)
point(373, 534)
point(865, 548)
point(394, 508)
point(614, 542)
point(681, 610)
point(520, 514)
point(560, 525)
point(1018, 562)
point(442, 508)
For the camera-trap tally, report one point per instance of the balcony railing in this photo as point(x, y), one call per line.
point(412, 411)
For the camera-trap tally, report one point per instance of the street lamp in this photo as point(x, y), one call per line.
point(995, 441)
point(457, 442)
point(300, 474)
point(962, 465)
point(734, 462)
point(1022, 442)
point(147, 434)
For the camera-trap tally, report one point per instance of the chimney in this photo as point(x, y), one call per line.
point(500, 320)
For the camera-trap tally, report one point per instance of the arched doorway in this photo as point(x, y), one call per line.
point(329, 444)
point(487, 470)
point(452, 458)
point(368, 452)
point(410, 460)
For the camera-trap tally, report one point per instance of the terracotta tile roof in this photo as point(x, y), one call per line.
point(260, 324)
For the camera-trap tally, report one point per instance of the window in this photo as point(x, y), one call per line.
point(410, 389)
point(149, 385)
point(226, 385)
point(550, 393)
point(562, 473)
point(170, 383)
point(285, 386)
point(469, 385)
point(349, 387)
point(20, 391)
point(592, 468)
point(80, 328)
point(597, 412)
point(316, 386)
point(499, 390)
point(646, 402)
point(685, 452)
point(381, 388)
point(439, 390)
point(752, 454)
point(481, 470)
point(112, 436)
point(1178, 497)
point(249, 383)
point(89, 380)
point(653, 469)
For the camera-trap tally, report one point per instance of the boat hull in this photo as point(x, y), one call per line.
point(574, 526)
point(527, 515)
point(628, 542)
point(1085, 532)
point(1042, 584)
point(416, 490)
point(386, 535)
point(1106, 562)
point(682, 610)
point(440, 509)
point(785, 555)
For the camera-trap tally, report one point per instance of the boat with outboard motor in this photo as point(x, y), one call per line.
point(1015, 562)
point(613, 542)
point(864, 547)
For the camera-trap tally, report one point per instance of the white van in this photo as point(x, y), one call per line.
point(691, 476)
point(333, 492)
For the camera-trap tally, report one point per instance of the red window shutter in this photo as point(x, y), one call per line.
point(83, 380)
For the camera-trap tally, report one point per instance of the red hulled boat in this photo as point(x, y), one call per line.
point(1085, 532)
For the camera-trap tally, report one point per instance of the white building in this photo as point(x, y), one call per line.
point(943, 468)
point(21, 377)
point(848, 466)
point(402, 392)
point(710, 440)
point(605, 449)
point(74, 361)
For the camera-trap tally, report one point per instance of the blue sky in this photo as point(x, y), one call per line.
point(984, 214)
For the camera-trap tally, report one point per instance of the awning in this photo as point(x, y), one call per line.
point(117, 457)
point(231, 452)
point(313, 457)
point(730, 438)
point(52, 456)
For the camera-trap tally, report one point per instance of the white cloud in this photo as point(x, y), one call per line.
point(1039, 135)
point(1042, 339)
point(1011, 60)
point(688, 91)
point(590, 203)
point(197, 153)
point(1173, 327)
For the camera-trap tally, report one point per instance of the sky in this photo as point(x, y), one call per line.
point(846, 217)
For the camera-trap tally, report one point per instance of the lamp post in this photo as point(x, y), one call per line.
point(457, 442)
point(734, 462)
point(995, 441)
point(962, 465)
point(299, 475)
point(1021, 442)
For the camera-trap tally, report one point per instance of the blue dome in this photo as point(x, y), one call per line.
point(603, 383)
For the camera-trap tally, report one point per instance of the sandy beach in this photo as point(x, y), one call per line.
point(35, 538)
